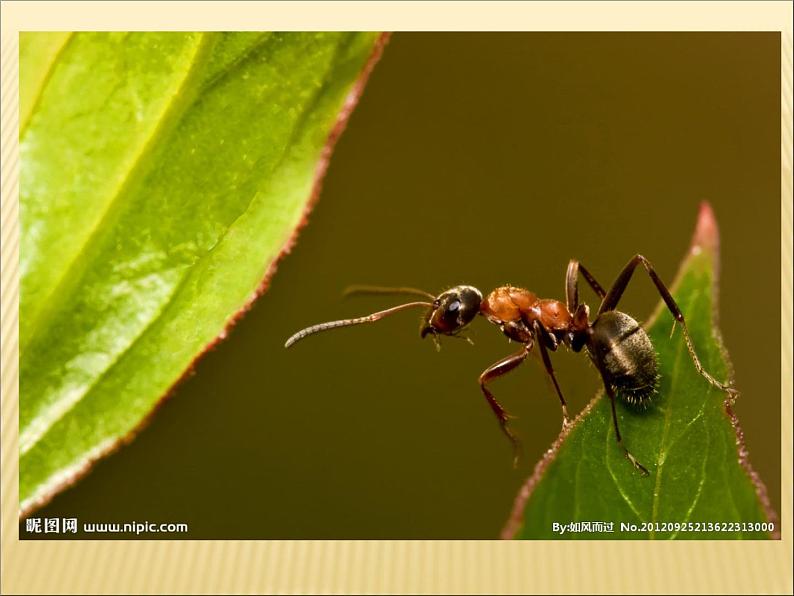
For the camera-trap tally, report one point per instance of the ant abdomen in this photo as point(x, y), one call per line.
point(623, 352)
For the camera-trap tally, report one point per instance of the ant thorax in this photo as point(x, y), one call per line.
point(517, 311)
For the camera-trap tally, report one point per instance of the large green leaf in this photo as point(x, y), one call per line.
point(162, 176)
point(688, 439)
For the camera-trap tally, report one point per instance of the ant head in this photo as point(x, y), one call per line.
point(452, 311)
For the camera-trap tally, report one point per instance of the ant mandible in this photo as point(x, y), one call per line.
point(617, 345)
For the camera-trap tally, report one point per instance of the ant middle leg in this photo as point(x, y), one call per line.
point(544, 353)
point(572, 285)
point(614, 294)
point(496, 370)
point(611, 393)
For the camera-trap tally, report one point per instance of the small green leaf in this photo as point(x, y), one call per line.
point(162, 176)
point(688, 439)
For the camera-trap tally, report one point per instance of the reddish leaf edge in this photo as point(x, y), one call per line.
point(706, 237)
point(110, 447)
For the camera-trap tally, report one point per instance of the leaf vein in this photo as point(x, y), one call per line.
point(614, 478)
point(662, 457)
point(702, 482)
point(23, 126)
point(134, 171)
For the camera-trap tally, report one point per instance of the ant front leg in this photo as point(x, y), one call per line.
point(572, 286)
point(626, 452)
point(614, 294)
point(540, 332)
point(497, 369)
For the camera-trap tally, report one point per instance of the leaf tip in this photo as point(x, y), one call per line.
point(707, 233)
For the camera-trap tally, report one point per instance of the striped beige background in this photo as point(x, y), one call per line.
point(378, 567)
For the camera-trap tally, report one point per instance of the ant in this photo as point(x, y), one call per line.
point(617, 345)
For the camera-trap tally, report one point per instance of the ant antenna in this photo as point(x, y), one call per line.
point(348, 322)
point(364, 289)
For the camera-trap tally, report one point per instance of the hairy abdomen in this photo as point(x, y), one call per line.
point(621, 348)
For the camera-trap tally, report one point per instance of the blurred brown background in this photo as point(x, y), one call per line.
point(483, 159)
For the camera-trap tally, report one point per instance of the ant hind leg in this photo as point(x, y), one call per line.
point(614, 294)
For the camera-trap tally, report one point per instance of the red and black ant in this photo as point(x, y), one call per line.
point(617, 345)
